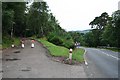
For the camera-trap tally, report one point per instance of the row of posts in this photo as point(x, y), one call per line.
point(32, 46)
point(23, 44)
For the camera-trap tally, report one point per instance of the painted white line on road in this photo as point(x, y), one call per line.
point(108, 54)
point(85, 58)
point(114, 57)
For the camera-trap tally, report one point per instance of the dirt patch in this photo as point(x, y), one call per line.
point(17, 52)
point(65, 61)
point(7, 55)
point(12, 59)
point(26, 69)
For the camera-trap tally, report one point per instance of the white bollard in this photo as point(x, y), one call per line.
point(32, 45)
point(22, 45)
point(12, 45)
point(70, 56)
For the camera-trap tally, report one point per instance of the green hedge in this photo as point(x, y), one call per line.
point(60, 40)
point(7, 41)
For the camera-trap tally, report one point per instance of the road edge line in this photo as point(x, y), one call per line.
point(85, 58)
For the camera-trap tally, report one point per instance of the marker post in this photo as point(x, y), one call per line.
point(70, 56)
point(32, 44)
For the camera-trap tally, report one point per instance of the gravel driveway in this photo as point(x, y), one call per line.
point(33, 63)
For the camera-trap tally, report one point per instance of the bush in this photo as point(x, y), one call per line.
point(56, 40)
point(6, 41)
point(65, 41)
point(68, 44)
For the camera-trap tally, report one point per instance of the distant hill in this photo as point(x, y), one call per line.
point(82, 31)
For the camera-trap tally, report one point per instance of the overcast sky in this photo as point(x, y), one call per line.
point(77, 14)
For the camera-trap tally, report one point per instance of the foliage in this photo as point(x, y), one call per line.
point(77, 37)
point(89, 39)
point(106, 30)
point(78, 54)
point(22, 21)
point(61, 39)
point(19, 20)
point(116, 25)
point(7, 41)
point(100, 22)
point(13, 18)
point(62, 51)
point(55, 50)
point(56, 40)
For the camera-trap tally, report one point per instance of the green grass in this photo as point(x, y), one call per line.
point(7, 43)
point(55, 50)
point(62, 51)
point(113, 49)
point(78, 54)
point(16, 41)
point(0, 46)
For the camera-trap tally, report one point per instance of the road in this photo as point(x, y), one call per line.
point(33, 63)
point(101, 63)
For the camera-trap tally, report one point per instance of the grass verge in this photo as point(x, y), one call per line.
point(113, 49)
point(78, 54)
point(62, 51)
point(0, 46)
point(7, 43)
point(55, 50)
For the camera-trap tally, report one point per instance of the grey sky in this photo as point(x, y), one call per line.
point(76, 14)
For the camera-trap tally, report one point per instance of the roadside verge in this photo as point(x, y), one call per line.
point(62, 53)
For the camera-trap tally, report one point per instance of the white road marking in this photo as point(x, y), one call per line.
point(85, 58)
point(86, 62)
point(108, 54)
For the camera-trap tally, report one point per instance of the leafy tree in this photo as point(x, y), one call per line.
point(89, 39)
point(77, 37)
point(38, 15)
point(99, 24)
point(116, 25)
point(13, 17)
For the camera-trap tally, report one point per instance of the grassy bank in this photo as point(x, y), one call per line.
point(62, 51)
point(0, 46)
point(7, 42)
point(55, 50)
point(78, 54)
point(113, 49)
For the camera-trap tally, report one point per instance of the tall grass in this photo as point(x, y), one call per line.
point(7, 42)
point(62, 51)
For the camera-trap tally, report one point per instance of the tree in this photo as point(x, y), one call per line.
point(89, 39)
point(116, 25)
point(99, 24)
point(38, 14)
point(13, 17)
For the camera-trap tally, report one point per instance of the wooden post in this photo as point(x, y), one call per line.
point(70, 56)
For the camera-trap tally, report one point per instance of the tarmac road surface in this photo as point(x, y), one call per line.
point(101, 63)
point(33, 63)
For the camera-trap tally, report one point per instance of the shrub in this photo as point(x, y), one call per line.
point(68, 44)
point(6, 41)
point(60, 40)
point(54, 38)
